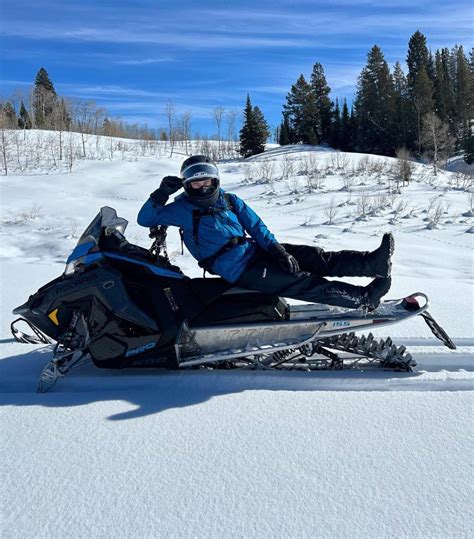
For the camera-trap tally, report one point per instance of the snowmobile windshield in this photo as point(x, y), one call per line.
point(106, 219)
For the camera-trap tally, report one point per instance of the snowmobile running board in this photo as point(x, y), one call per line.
point(307, 325)
point(311, 339)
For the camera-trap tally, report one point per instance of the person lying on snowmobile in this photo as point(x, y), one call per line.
point(229, 239)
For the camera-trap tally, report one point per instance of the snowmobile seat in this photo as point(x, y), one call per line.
point(231, 305)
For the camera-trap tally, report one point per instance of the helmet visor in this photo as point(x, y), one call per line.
point(200, 171)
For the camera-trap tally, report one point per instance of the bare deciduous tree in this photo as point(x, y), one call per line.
point(287, 168)
point(231, 116)
point(364, 205)
point(331, 211)
point(218, 114)
point(186, 129)
point(404, 168)
point(170, 113)
point(266, 173)
point(436, 140)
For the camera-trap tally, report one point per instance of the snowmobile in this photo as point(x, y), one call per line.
point(120, 305)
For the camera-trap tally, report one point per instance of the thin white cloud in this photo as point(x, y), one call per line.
point(109, 90)
point(143, 61)
point(260, 29)
point(186, 40)
point(8, 82)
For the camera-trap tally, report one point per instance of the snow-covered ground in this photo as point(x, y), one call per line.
point(245, 454)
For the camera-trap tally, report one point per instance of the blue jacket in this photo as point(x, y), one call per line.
point(215, 230)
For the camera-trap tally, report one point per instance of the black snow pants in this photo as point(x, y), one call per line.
point(264, 273)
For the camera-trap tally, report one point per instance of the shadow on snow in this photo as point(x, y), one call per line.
point(155, 390)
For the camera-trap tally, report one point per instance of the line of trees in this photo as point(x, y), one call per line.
point(428, 112)
point(43, 108)
point(391, 109)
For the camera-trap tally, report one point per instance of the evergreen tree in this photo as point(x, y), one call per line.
point(422, 100)
point(374, 105)
point(468, 145)
point(346, 129)
point(44, 98)
point(443, 87)
point(324, 105)
point(430, 67)
point(354, 129)
point(401, 107)
point(24, 121)
point(462, 90)
point(420, 86)
point(302, 113)
point(417, 58)
point(252, 140)
point(471, 84)
point(285, 133)
point(262, 124)
point(335, 140)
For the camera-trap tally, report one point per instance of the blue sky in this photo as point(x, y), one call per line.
point(135, 56)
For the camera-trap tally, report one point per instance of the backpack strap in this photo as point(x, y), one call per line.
point(196, 216)
point(229, 203)
point(207, 263)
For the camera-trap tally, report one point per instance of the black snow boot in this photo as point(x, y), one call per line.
point(375, 291)
point(380, 259)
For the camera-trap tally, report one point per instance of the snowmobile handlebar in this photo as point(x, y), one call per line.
point(158, 232)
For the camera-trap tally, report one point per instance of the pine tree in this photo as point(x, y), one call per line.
point(354, 129)
point(285, 133)
point(335, 140)
point(462, 91)
point(24, 121)
point(346, 129)
point(44, 98)
point(443, 87)
point(430, 67)
point(252, 140)
point(417, 58)
point(420, 86)
point(302, 114)
point(262, 124)
point(401, 106)
point(374, 105)
point(468, 145)
point(422, 100)
point(324, 105)
point(471, 84)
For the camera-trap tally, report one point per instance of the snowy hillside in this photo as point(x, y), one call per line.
point(243, 454)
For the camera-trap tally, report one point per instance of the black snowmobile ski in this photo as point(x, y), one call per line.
point(120, 305)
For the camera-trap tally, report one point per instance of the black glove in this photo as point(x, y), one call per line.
point(168, 186)
point(287, 262)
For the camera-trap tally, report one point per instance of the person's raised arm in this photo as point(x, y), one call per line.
point(154, 212)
